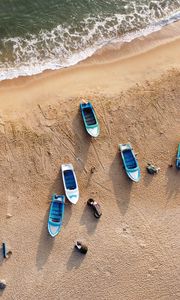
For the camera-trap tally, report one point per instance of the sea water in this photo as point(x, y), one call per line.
point(49, 34)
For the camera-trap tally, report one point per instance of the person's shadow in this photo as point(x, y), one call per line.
point(75, 260)
point(45, 244)
point(173, 179)
point(8, 253)
point(1, 292)
point(82, 142)
point(1, 255)
point(148, 178)
point(122, 185)
point(88, 219)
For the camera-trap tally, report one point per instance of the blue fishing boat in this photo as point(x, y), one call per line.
point(56, 214)
point(70, 183)
point(90, 119)
point(130, 162)
point(178, 158)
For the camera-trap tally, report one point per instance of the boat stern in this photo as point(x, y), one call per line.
point(123, 147)
point(178, 163)
point(66, 167)
point(73, 197)
point(94, 131)
point(53, 230)
point(58, 198)
point(134, 175)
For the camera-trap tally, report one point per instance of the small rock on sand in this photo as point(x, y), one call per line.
point(170, 165)
point(8, 216)
point(2, 284)
point(93, 169)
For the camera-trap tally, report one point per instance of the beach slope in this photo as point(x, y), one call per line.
point(134, 248)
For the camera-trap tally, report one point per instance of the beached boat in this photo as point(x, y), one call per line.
point(178, 158)
point(56, 214)
point(70, 183)
point(130, 162)
point(90, 119)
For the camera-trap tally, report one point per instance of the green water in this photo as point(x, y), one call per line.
point(19, 17)
point(42, 34)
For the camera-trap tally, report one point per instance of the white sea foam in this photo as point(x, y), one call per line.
point(66, 46)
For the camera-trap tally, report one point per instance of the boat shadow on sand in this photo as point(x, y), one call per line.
point(45, 244)
point(1, 292)
point(122, 185)
point(1, 255)
point(148, 178)
point(82, 141)
point(173, 187)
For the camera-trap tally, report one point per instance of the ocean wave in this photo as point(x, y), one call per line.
point(66, 46)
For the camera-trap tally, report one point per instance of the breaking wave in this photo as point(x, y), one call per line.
point(66, 45)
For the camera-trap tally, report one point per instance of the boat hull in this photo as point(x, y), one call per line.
point(53, 230)
point(56, 215)
point(130, 162)
point(70, 183)
point(90, 120)
point(94, 132)
point(178, 158)
point(134, 176)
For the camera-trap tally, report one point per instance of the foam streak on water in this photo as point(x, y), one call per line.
point(67, 44)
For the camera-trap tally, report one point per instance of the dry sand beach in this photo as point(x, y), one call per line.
point(134, 248)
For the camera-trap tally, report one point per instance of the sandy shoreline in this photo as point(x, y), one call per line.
point(87, 79)
point(134, 248)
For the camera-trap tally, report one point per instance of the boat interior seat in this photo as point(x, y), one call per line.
point(70, 185)
point(55, 214)
point(69, 179)
point(90, 123)
point(129, 159)
point(131, 164)
point(89, 116)
point(56, 220)
point(56, 209)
